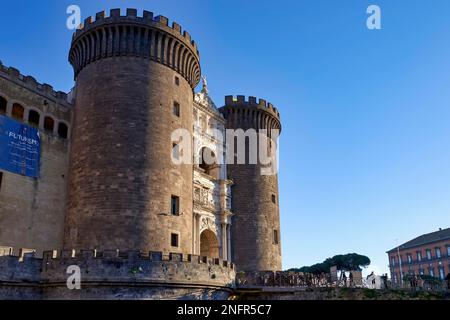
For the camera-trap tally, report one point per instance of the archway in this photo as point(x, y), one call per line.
point(209, 245)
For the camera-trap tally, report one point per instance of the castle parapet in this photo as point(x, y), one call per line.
point(137, 266)
point(44, 89)
point(100, 269)
point(145, 36)
point(23, 267)
point(258, 113)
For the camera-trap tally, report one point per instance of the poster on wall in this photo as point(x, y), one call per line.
point(19, 148)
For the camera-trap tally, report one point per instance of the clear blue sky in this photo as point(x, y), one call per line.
point(365, 148)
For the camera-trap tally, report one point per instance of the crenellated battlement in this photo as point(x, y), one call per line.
point(242, 108)
point(23, 267)
point(127, 268)
point(131, 15)
point(131, 255)
point(29, 82)
point(145, 36)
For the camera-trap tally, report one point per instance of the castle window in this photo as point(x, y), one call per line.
point(275, 237)
point(176, 151)
point(174, 240)
point(175, 205)
point(274, 198)
point(33, 118)
point(17, 111)
point(3, 104)
point(177, 81)
point(49, 124)
point(62, 130)
point(176, 109)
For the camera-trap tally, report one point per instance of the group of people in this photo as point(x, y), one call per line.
point(416, 282)
point(301, 279)
point(293, 279)
point(347, 281)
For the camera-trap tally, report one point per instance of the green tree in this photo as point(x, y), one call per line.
point(347, 262)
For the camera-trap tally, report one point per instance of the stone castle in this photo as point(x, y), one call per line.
point(109, 198)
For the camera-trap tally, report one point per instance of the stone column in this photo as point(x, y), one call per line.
point(26, 113)
point(41, 122)
point(229, 242)
point(197, 234)
point(9, 106)
point(55, 127)
point(193, 232)
point(224, 251)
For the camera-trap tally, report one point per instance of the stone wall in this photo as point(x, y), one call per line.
point(32, 210)
point(115, 275)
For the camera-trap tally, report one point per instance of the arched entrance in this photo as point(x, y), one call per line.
point(209, 245)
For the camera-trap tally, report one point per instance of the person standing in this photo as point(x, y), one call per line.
point(344, 278)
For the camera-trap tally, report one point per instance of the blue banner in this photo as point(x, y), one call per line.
point(19, 148)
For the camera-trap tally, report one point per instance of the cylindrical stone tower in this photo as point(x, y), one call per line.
point(256, 221)
point(134, 86)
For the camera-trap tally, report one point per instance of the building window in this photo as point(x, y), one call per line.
point(274, 199)
point(431, 272)
point(428, 251)
point(275, 237)
point(393, 261)
point(175, 151)
point(409, 257)
point(419, 256)
point(421, 272)
point(438, 252)
point(63, 130)
point(448, 251)
point(175, 205)
point(49, 124)
point(441, 273)
point(176, 109)
point(177, 81)
point(17, 111)
point(33, 118)
point(174, 240)
point(3, 104)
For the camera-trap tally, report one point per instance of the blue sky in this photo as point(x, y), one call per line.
point(365, 147)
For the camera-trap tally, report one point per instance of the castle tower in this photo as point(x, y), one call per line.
point(134, 86)
point(256, 222)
